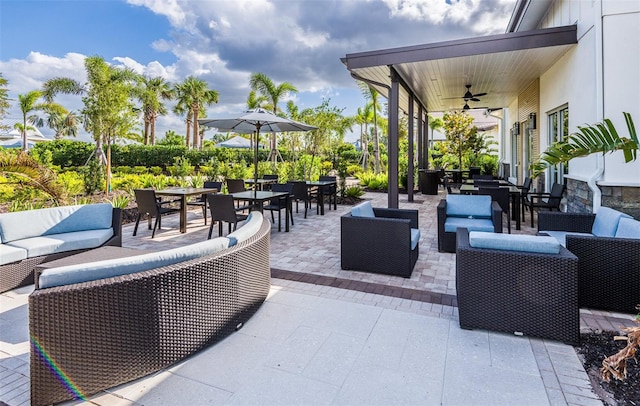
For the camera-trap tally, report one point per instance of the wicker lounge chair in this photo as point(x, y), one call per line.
point(533, 294)
point(608, 266)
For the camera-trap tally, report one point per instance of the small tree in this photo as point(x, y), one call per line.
point(461, 136)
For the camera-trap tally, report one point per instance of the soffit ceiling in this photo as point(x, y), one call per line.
point(501, 66)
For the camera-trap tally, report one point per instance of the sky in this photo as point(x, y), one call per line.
point(224, 42)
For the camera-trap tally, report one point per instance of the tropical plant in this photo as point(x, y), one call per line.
point(121, 201)
point(353, 192)
point(599, 137)
point(193, 95)
point(372, 95)
point(28, 103)
point(267, 88)
point(171, 139)
point(27, 172)
point(93, 176)
point(63, 122)
point(4, 97)
point(461, 135)
point(150, 92)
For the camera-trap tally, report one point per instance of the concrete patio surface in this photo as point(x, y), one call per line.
point(328, 336)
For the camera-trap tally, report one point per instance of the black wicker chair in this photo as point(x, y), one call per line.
point(517, 292)
point(223, 209)
point(447, 240)
point(150, 205)
point(202, 200)
point(608, 268)
point(550, 201)
point(380, 244)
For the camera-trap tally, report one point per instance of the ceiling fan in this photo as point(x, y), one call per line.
point(469, 96)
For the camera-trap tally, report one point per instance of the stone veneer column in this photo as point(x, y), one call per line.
point(623, 198)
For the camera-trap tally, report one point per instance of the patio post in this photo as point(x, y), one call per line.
point(392, 167)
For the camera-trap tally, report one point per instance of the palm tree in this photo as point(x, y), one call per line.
point(63, 122)
point(108, 110)
point(600, 137)
point(363, 118)
point(193, 95)
point(372, 96)
point(29, 103)
point(151, 91)
point(265, 86)
point(4, 97)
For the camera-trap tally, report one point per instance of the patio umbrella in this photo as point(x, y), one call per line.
point(254, 121)
point(235, 142)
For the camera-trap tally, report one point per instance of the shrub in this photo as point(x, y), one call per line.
point(93, 176)
point(72, 182)
point(353, 192)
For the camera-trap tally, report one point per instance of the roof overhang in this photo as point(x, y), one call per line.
point(501, 65)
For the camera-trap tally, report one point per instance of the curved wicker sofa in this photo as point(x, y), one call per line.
point(91, 336)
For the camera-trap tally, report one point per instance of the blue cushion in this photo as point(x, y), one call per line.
point(415, 238)
point(452, 224)
point(470, 206)
point(251, 226)
point(363, 209)
point(606, 222)
point(9, 254)
point(66, 275)
point(561, 236)
point(512, 242)
point(628, 228)
point(54, 220)
point(50, 244)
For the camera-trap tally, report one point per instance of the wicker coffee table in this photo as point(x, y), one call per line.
point(98, 254)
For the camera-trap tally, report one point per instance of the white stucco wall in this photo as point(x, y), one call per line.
point(598, 78)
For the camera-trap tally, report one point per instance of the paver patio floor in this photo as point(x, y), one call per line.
point(347, 338)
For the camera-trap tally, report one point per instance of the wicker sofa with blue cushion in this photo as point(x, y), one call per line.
point(104, 323)
point(607, 245)
point(379, 240)
point(473, 212)
point(32, 237)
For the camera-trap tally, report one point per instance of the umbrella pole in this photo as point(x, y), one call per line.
point(255, 164)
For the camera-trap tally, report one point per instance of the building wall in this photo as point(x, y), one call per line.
point(597, 79)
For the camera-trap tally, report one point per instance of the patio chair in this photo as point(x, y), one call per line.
point(331, 191)
point(379, 240)
point(448, 185)
point(524, 194)
point(550, 201)
point(522, 284)
point(300, 193)
point(500, 195)
point(223, 209)
point(474, 212)
point(481, 177)
point(235, 186)
point(486, 183)
point(150, 205)
point(280, 203)
point(202, 200)
point(269, 177)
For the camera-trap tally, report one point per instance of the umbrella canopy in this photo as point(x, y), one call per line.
point(235, 142)
point(255, 121)
point(15, 144)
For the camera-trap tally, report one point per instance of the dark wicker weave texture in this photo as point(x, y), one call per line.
point(447, 241)
point(380, 244)
point(512, 291)
point(107, 332)
point(608, 268)
point(20, 273)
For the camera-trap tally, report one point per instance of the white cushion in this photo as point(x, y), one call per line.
point(511, 242)
point(51, 244)
point(9, 254)
point(415, 238)
point(66, 275)
point(54, 220)
point(251, 226)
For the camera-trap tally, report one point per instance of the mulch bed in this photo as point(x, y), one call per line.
point(596, 346)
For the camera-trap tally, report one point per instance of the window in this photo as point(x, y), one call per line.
point(558, 131)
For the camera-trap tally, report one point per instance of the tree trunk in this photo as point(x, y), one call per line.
point(187, 138)
point(152, 140)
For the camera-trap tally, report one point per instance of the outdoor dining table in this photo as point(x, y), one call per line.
point(258, 197)
point(320, 184)
point(260, 182)
point(514, 192)
point(184, 192)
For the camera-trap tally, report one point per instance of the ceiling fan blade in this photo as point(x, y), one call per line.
point(474, 99)
point(479, 95)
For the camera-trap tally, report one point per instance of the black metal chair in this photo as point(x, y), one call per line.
point(236, 186)
point(300, 193)
point(524, 194)
point(279, 203)
point(550, 201)
point(222, 209)
point(149, 204)
point(482, 177)
point(331, 190)
point(485, 183)
point(500, 195)
point(202, 200)
point(448, 186)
